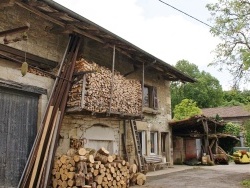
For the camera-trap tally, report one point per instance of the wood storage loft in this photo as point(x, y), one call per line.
point(99, 92)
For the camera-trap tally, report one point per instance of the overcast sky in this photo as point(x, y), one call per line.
point(158, 29)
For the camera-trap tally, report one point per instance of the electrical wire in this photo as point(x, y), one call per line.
point(186, 14)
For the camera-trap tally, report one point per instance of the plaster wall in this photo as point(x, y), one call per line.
point(11, 71)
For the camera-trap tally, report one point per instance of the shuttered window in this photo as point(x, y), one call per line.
point(150, 97)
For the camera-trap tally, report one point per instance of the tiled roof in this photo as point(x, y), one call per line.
point(232, 111)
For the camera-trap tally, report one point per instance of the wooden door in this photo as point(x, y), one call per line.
point(18, 127)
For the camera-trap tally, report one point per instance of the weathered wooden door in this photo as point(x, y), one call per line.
point(18, 127)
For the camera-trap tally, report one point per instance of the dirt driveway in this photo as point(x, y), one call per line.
point(219, 176)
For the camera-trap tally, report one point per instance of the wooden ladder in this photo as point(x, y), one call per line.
point(137, 143)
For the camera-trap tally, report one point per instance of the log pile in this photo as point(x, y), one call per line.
point(86, 167)
point(93, 91)
point(39, 72)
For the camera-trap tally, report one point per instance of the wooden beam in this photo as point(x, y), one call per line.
point(15, 30)
point(37, 59)
point(37, 12)
point(6, 3)
point(149, 65)
point(22, 87)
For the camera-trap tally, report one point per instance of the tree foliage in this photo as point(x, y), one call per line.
point(236, 97)
point(247, 133)
point(232, 129)
point(187, 108)
point(206, 92)
point(231, 23)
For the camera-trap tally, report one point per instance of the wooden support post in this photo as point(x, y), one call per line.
point(112, 81)
point(142, 105)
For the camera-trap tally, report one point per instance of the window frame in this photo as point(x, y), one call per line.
point(152, 101)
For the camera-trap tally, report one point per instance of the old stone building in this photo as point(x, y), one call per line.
point(234, 114)
point(37, 32)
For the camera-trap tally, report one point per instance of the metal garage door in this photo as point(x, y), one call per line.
point(18, 126)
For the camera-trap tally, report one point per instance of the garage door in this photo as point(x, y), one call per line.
point(18, 126)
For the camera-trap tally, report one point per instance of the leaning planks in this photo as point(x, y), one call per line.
point(38, 167)
point(93, 92)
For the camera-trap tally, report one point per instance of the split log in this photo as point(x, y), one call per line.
point(103, 151)
point(133, 168)
point(98, 179)
point(82, 151)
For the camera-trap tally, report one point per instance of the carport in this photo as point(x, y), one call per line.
point(198, 136)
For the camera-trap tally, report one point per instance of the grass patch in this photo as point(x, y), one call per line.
point(246, 183)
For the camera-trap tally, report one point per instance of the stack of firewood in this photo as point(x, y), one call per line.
point(63, 172)
point(39, 72)
point(96, 90)
point(96, 169)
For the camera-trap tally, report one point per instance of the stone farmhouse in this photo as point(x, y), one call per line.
point(114, 83)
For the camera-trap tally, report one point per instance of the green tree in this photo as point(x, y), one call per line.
point(187, 108)
point(236, 97)
point(207, 91)
point(247, 133)
point(231, 23)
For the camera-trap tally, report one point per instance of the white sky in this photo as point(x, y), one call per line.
point(157, 28)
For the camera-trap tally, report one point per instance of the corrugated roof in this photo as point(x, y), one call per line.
point(229, 111)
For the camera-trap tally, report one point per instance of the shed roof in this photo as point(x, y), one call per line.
point(226, 112)
point(71, 22)
point(194, 125)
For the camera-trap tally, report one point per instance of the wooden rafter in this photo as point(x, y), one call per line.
point(15, 30)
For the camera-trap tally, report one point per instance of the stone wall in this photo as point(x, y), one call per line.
point(44, 43)
point(78, 126)
point(41, 40)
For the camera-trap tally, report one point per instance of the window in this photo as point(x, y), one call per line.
point(153, 142)
point(150, 97)
point(142, 136)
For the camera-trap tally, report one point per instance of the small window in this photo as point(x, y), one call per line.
point(150, 97)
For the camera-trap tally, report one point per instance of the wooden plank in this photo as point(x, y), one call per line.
point(7, 3)
point(84, 82)
point(47, 148)
point(50, 160)
point(39, 61)
point(39, 152)
point(14, 30)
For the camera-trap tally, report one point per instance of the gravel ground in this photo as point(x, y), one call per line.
point(221, 176)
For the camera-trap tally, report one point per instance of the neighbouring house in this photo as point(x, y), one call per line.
point(197, 136)
point(234, 114)
point(37, 32)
